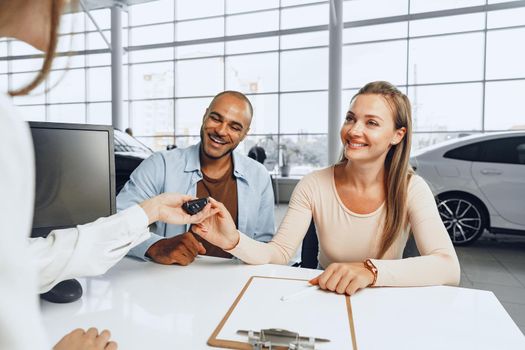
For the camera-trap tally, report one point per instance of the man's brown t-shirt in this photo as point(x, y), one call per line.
point(224, 190)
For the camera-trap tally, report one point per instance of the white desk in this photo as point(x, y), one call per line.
point(150, 306)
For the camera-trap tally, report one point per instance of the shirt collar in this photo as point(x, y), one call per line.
point(194, 163)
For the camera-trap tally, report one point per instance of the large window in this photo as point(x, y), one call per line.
point(461, 65)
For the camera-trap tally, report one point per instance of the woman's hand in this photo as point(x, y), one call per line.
point(218, 229)
point(167, 208)
point(344, 278)
point(90, 340)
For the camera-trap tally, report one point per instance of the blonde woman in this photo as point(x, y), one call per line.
point(364, 208)
point(28, 266)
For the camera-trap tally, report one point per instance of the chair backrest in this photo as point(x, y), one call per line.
point(310, 248)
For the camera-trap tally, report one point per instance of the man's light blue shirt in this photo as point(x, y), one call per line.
point(179, 170)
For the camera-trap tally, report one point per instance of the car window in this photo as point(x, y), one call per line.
point(468, 152)
point(126, 143)
point(509, 150)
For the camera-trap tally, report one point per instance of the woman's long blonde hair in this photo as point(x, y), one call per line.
point(57, 7)
point(397, 167)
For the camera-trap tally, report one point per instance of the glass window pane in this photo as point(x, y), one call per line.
point(162, 33)
point(74, 61)
point(357, 10)
point(102, 17)
point(18, 81)
point(447, 58)
point(265, 110)
point(204, 28)
point(33, 113)
point(152, 80)
point(28, 65)
point(420, 140)
point(151, 12)
point(188, 115)
point(304, 113)
point(234, 6)
point(306, 16)
point(252, 73)
point(364, 63)
point(505, 57)
point(427, 6)
point(100, 59)
point(448, 24)
point(305, 153)
point(70, 87)
point(187, 8)
point(200, 77)
point(304, 70)
point(293, 41)
point(252, 45)
point(504, 105)
point(68, 43)
point(99, 84)
point(152, 117)
point(506, 18)
point(21, 48)
point(68, 113)
point(3, 83)
point(149, 55)
point(252, 23)
point(72, 22)
point(3, 53)
point(375, 32)
point(99, 113)
point(201, 50)
point(296, 2)
point(96, 41)
point(446, 107)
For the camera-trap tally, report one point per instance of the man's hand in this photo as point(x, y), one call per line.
point(344, 278)
point(181, 249)
point(167, 208)
point(90, 340)
point(219, 229)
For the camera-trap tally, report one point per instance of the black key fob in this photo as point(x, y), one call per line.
point(194, 206)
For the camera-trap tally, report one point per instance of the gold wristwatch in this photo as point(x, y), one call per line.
point(369, 265)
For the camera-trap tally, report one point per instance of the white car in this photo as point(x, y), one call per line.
point(479, 183)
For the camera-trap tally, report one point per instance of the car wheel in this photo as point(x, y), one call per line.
point(463, 216)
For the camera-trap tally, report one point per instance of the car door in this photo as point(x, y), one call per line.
point(500, 175)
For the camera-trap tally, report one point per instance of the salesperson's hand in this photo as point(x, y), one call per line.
point(90, 340)
point(218, 229)
point(167, 208)
point(344, 278)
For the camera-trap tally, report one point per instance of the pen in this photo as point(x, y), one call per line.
point(299, 293)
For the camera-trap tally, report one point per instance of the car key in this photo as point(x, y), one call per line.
point(194, 206)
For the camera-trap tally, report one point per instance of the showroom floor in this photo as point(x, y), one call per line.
point(495, 263)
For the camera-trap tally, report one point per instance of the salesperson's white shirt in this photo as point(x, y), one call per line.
point(31, 266)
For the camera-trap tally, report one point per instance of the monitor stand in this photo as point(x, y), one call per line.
point(64, 292)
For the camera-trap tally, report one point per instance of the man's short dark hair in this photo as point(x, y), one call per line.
point(237, 94)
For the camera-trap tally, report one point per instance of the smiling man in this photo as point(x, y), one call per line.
point(209, 168)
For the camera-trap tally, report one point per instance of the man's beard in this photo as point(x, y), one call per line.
point(228, 152)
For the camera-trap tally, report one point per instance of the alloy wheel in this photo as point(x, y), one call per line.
point(462, 219)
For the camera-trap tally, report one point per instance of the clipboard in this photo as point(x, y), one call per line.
point(256, 305)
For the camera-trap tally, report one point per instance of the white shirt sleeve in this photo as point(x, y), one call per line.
point(20, 322)
point(87, 250)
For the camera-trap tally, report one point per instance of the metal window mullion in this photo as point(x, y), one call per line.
point(484, 82)
point(174, 76)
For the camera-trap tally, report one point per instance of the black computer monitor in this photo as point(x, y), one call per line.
point(75, 175)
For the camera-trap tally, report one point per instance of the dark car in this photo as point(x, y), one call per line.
point(129, 153)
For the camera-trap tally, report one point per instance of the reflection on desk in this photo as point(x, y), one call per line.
point(151, 306)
